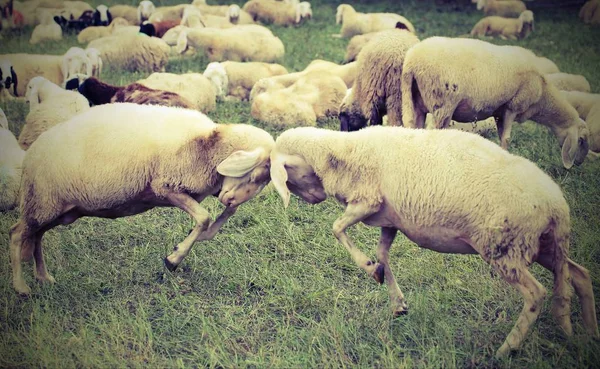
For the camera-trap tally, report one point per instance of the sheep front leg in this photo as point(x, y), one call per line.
point(504, 126)
point(399, 306)
point(355, 213)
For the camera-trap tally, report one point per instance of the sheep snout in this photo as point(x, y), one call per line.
point(351, 122)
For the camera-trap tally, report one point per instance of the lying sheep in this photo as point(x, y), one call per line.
point(95, 61)
point(278, 12)
point(194, 87)
point(354, 23)
point(405, 179)
point(168, 13)
point(178, 158)
point(102, 16)
point(313, 96)
point(76, 61)
point(581, 101)
point(98, 93)
point(92, 33)
point(49, 105)
point(240, 43)
point(193, 17)
point(134, 16)
point(503, 8)
point(157, 29)
point(444, 76)
point(569, 82)
point(234, 80)
point(11, 159)
point(505, 28)
point(232, 12)
point(590, 12)
point(593, 121)
point(376, 91)
point(134, 53)
point(48, 30)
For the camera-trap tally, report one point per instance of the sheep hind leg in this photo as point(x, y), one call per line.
point(533, 293)
point(355, 213)
point(40, 271)
point(19, 239)
point(399, 306)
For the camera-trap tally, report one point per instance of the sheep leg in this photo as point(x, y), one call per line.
point(212, 230)
point(355, 213)
point(40, 271)
point(504, 126)
point(533, 293)
point(18, 236)
point(399, 306)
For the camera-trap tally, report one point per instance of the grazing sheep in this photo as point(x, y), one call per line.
point(11, 159)
point(405, 179)
point(91, 166)
point(569, 82)
point(95, 60)
point(444, 76)
point(102, 16)
point(157, 29)
point(354, 23)
point(134, 53)
point(590, 12)
point(593, 121)
point(376, 91)
point(234, 80)
point(92, 33)
point(49, 105)
point(48, 30)
point(232, 12)
point(581, 101)
point(8, 79)
point(240, 43)
point(278, 12)
point(505, 28)
point(504, 8)
point(193, 87)
point(313, 96)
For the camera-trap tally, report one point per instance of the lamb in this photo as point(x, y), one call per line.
point(277, 12)
point(192, 86)
point(313, 96)
point(569, 82)
point(49, 105)
point(102, 16)
point(437, 82)
point(504, 8)
point(178, 158)
point(354, 23)
point(405, 179)
point(76, 61)
point(134, 53)
point(95, 61)
point(590, 12)
point(376, 91)
point(8, 79)
point(92, 33)
point(48, 30)
point(581, 101)
point(11, 159)
point(240, 43)
point(505, 28)
point(232, 12)
point(234, 80)
point(134, 16)
point(157, 29)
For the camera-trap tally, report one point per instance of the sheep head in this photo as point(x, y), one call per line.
point(145, 10)
point(75, 62)
point(574, 141)
point(33, 92)
point(351, 118)
point(526, 23)
point(102, 16)
point(481, 4)
point(182, 42)
point(148, 29)
point(339, 15)
point(233, 13)
point(216, 73)
point(303, 11)
point(8, 76)
point(292, 174)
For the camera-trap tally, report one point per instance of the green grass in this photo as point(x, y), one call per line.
point(274, 288)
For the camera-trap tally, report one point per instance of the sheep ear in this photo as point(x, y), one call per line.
point(279, 177)
point(182, 42)
point(15, 80)
point(569, 150)
point(400, 25)
point(240, 162)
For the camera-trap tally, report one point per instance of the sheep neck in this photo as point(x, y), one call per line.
point(553, 111)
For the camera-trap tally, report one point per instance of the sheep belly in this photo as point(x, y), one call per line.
point(465, 112)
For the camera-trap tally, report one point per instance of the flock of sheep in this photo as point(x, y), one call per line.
point(81, 160)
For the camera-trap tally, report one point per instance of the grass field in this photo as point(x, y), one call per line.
point(274, 288)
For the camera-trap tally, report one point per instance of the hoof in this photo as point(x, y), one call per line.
point(170, 265)
point(47, 279)
point(400, 312)
point(22, 289)
point(379, 274)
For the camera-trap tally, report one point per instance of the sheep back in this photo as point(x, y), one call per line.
point(194, 87)
point(133, 53)
point(27, 66)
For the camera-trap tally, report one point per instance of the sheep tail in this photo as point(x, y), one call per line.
point(408, 104)
point(562, 292)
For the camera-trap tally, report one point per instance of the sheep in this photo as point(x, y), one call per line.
point(569, 82)
point(313, 96)
point(505, 28)
point(168, 13)
point(95, 60)
point(277, 12)
point(134, 53)
point(234, 80)
point(581, 101)
point(48, 30)
point(448, 83)
point(376, 91)
point(192, 86)
point(8, 79)
point(240, 43)
point(76, 61)
point(354, 23)
point(193, 17)
point(157, 29)
point(90, 166)
point(508, 9)
point(593, 121)
point(233, 12)
point(590, 12)
point(357, 43)
point(68, 23)
point(102, 16)
point(11, 159)
point(49, 105)
point(92, 33)
point(404, 179)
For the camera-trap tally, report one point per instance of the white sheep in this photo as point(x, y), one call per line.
point(278, 12)
point(134, 15)
point(405, 179)
point(590, 12)
point(355, 23)
point(49, 105)
point(505, 28)
point(357, 43)
point(503, 8)
point(94, 32)
point(234, 80)
point(240, 43)
point(376, 90)
point(581, 101)
point(76, 61)
point(11, 159)
point(91, 166)
point(168, 13)
point(593, 122)
point(95, 62)
point(47, 30)
point(193, 86)
point(468, 80)
point(313, 96)
point(193, 18)
point(569, 82)
point(233, 12)
point(134, 53)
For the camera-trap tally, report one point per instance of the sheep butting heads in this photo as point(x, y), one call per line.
point(405, 179)
point(90, 166)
